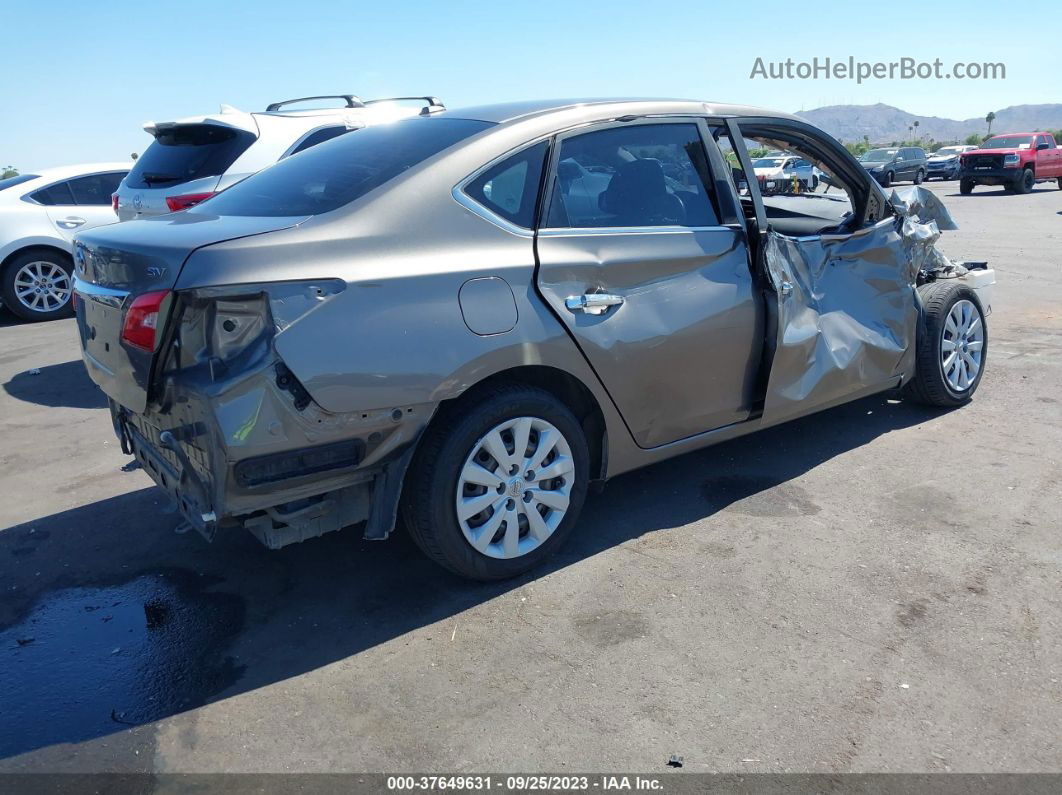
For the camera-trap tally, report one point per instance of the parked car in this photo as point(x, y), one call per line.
point(193, 158)
point(944, 163)
point(39, 214)
point(775, 173)
point(1017, 161)
point(430, 315)
point(896, 164)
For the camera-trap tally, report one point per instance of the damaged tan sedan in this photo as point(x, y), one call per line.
point(472, 315)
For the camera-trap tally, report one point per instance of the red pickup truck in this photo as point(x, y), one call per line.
point(1017, 161)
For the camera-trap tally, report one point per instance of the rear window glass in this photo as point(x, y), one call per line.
point(10, 182)
point(187, 152)
point(511, 187)
point(339, 171)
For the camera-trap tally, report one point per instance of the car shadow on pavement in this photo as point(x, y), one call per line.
point(57, 385)
point(984, 194)
point(110, 619)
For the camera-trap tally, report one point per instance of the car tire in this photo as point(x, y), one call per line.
point(1060, 183)
point(919, 176)
point(49, 274)
point(454, 465)
point(1026, 182)
point(943, 374)
point(966, 186)
point(886, 181)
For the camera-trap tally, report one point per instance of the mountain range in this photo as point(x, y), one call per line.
point(884, 123)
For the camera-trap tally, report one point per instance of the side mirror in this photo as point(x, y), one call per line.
point(1042, 146)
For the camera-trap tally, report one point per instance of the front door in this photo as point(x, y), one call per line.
point(654, 287)
point(844, 293)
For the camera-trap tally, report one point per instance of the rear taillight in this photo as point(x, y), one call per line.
point(142, 320)
point(184, 201)
point(114, 202)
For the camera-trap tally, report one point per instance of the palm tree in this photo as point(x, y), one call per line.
point(991, 117)
point(916, 128)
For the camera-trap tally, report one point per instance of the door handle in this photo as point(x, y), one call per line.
point(70, 222)
point(592, 303)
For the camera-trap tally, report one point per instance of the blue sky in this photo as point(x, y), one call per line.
point(79, 79)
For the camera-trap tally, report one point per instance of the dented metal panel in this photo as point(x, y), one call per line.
point(848, 306)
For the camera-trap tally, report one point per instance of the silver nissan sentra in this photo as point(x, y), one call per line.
point(472, 315)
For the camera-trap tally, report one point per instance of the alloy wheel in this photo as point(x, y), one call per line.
point(42, 286)
point(961, 345)
point(515, 487)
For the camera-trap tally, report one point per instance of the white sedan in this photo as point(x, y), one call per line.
point(39, 214)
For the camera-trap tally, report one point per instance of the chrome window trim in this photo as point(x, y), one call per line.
point(101, 295)
point(632, 230)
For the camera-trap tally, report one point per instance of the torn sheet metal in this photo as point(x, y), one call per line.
point(848, 306)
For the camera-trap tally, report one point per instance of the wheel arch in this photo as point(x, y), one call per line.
point(564, 386)
point(24, 249)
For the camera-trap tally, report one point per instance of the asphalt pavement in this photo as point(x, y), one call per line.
point(875, 588)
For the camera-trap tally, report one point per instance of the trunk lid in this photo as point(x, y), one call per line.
point(117, 263)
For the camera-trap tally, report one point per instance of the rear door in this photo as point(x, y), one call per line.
point(91, 196)
point(647, 266)
point(74, 205)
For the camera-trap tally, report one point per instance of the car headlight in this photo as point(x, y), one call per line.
point(1009, 161)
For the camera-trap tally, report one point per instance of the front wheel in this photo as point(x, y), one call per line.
point(1025, 182)
point(966, 186)
point(886, 181)
point(952, 345)
point(1060, 183)
point(498, 483)
point(38, 285)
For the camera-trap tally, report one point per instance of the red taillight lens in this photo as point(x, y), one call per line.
point(186, 200)
point(142, 320)
point(114, 202)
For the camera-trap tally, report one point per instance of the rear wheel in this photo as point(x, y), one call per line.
point(952, 345)
point(966, 186)
point(497, 485)
point(38, 285)
point(919, 176)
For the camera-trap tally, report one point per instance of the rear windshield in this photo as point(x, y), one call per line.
point(190, 151)
point(339, 171)
point(10, 182)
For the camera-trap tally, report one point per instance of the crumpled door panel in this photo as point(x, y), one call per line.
point(847, 305)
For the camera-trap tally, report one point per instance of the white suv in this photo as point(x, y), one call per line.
point(193, 158)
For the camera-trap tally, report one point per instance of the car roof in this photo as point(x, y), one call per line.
point(66, 172)
point(503, 112)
